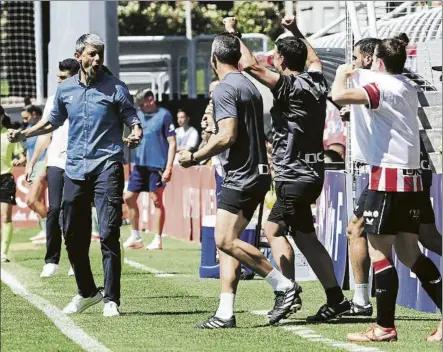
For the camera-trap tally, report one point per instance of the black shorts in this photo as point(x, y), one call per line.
point(234, 200)
point(427, 215)
point(387, 213)
point(7, 189)
point(293, 205)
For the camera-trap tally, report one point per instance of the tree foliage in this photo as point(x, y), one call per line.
point(166, 18)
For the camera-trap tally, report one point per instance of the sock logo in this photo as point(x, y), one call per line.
point(433, 282)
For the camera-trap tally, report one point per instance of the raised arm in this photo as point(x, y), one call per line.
point(341, 94)
point(249, 62)
point(312, 61)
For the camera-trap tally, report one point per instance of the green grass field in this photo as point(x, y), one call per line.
point(159, 313)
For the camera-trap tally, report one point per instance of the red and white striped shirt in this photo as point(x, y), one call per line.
point(395, 180)
point(386, 132)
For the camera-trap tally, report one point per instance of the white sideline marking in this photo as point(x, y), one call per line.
point(60, 320)
point(313, 336)
point(157, 273)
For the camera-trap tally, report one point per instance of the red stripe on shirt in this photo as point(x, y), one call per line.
point(375, 177)
point(409, 184)
point(374, 95)
point(391, 178)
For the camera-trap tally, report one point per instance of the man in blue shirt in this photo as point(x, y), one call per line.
point(97, 105)
point(153, 167)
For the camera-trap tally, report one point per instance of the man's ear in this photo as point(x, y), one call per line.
point(214, 61)
point(77, 56)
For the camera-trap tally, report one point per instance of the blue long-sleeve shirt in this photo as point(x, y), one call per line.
point(96, 114)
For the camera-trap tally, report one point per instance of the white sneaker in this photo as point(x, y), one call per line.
point(4, 258)
point(79, 304)
point(132, 243)
point(71, 272)
point(111, 309)
point(41, 235)
point(156, 244)
point(49, 270)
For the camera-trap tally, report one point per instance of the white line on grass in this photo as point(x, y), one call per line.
point(60, 320)
point(313, 336)
point(157, 273)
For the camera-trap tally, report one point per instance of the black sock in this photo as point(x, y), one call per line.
point(386, 290)
point(334, 295)
point(429, 277)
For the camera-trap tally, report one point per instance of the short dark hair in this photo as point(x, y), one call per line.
point(184, 111)
point(393, 54)
point(333, 155)
point(367, 45)
point(33, 108)
point(142, 94)
point(294, 51)
point(226, 48)
point(70, 65)
point(402, 37)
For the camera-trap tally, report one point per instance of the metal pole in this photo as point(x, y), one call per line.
point(372, 20)
point(192, 69)
point(38, 40)
point(354, 20)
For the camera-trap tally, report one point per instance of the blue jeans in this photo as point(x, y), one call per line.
point(106, 190)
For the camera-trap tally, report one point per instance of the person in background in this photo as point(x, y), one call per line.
point(32, 114)
point(152, 167)
point(55, 144)
point(187, 136)
point(11, 155)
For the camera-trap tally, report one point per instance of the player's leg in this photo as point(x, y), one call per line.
point(137, 183)
point(429, 236)
point(77, 199)
point(55, 177)
point(7, 200)
point(360, 261)
point(7, 230)
point(35, 199)
point(158, 219)
point(108, 198)
point(386, 284)
point(156, 188)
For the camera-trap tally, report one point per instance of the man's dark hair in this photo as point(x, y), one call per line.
point(226, 48)
point(333, 155)
point(367, 45)
point(393, 54)
point(142, 94)
point(294, 51)
point(402, 37)
point(183, 110)
point(70, 65)
point(33, 108)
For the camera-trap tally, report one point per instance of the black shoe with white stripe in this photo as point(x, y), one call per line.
point(296, 306)
point(358, 310)
point(283, 303)
point(327, 313)
point(217, 323)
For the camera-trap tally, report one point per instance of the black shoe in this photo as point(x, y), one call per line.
point(217, 323)
point(296, 306)
point(327, 313)
point(283, 303)
point(357, 310)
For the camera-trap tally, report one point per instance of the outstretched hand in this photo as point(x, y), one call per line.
point(230, 24)
point(289, 22)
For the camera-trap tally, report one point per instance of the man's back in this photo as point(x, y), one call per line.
point(237, 97)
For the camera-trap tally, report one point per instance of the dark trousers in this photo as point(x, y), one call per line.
point(56, 181)
point(106, 190)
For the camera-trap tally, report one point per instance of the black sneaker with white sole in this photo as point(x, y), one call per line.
point(328, 313)
point(295, 307)
point(283, 303)
point(217, 323)
point(358, 310)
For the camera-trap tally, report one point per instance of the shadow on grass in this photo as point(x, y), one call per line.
point(140, 313)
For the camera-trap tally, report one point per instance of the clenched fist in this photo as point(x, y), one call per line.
point(230, 24)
